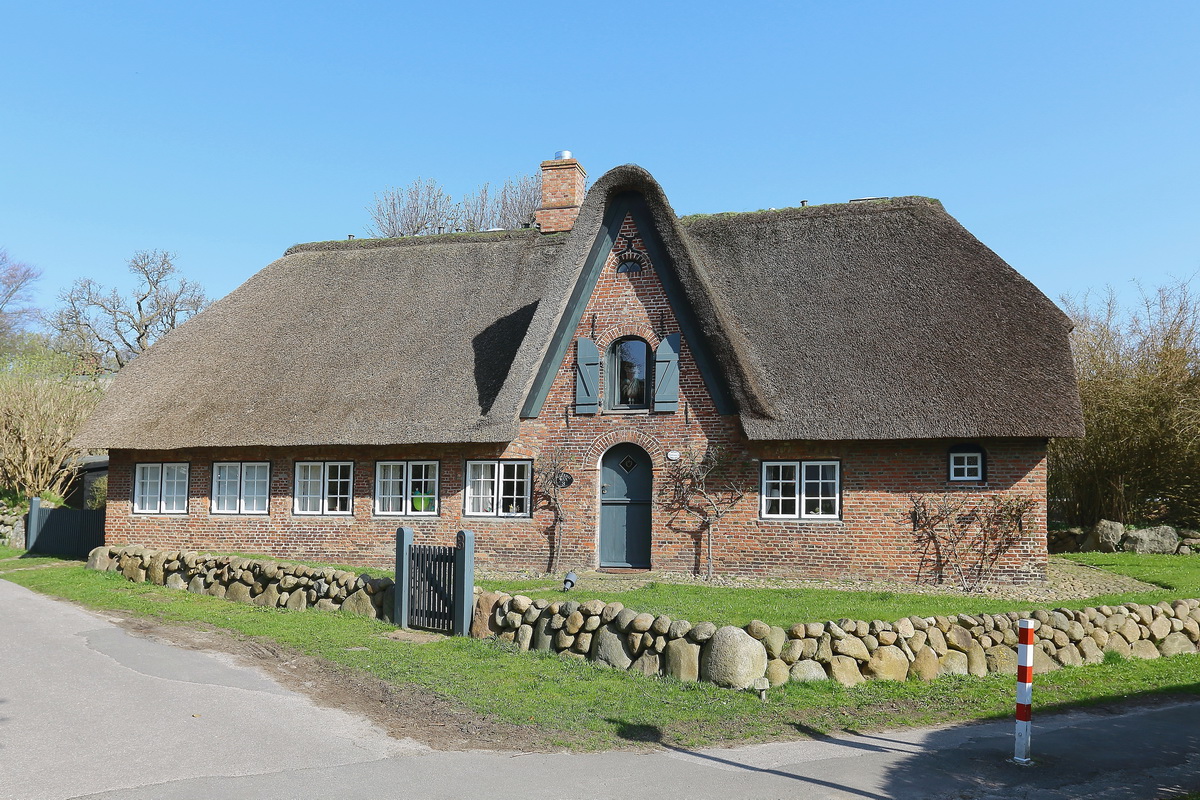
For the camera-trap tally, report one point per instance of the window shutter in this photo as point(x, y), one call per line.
point(587, 377)
point(666, 374)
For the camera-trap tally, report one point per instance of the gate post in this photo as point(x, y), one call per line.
point(33, 524)
point(464, 582)
point(404, 543)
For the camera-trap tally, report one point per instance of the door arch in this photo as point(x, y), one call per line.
point(626, 487)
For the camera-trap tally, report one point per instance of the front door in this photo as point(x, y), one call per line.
point(626, 481)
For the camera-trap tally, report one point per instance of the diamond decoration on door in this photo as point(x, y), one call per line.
point(627, 463)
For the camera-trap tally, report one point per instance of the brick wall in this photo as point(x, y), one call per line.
point(872, 539)
point(563, 190)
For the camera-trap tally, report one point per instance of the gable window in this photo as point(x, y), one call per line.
point(323, 487)
point(241, 487)
point(967, 463)
point(406, 488)
point(160, 488)
point(628, 370)
point(801, 489)
point(498, 488)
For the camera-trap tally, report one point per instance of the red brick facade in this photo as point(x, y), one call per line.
point(873, 537)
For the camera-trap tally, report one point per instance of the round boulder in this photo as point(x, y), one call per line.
point(732, 658)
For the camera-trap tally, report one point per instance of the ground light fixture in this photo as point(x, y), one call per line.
point(569, 581)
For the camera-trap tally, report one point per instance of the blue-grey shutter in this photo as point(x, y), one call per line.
point(587, 377)
point(666, 374)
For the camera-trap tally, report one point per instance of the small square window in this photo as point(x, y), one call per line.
point(967, 463)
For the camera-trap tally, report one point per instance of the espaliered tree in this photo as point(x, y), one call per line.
point(962, 538)
point(550, 481)
point(705, 486)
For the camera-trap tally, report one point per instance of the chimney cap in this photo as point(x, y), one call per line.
point(562, 155)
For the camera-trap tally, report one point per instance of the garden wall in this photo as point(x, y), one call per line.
point(848, 651)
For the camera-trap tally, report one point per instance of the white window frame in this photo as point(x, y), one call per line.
point(406, 495)
point(497, 480)
point(801, 496)
point(325, 494)
point(241, 488)
point(966, 467)
point(158, 494)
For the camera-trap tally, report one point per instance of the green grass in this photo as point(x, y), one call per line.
point(10, 552)
point(1178, 575)
point(560, 702)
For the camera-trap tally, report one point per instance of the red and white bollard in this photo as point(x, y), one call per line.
point(1024, 692)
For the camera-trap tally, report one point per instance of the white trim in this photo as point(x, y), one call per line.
point(497, 480)
point(800, 483)
point(406, 495)
point(836, 497)
point(966, 467)
point(764, 496)
point(240, 480)
point(137, 504)
point(323, 478)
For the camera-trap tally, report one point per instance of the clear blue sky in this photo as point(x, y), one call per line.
point(1065, 135)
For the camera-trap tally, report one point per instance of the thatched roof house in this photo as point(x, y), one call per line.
point(874, 320)
point(845, 356)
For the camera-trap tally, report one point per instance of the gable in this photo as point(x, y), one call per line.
point(628, 231)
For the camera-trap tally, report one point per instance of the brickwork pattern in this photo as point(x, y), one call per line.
point(873, 538)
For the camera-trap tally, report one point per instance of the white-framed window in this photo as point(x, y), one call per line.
point(160, 488)
point(241, 487)
point(498, 488)
point(967, 463)
point(406, 488)
point(324, 487)
point(801, 489)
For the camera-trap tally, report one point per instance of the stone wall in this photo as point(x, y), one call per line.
point(263, 583)
point(848, 651)
point(1107, 536)
point(12, 527)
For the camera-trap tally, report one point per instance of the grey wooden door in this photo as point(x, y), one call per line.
point(626, 483)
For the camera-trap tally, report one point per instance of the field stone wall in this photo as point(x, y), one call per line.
point(845, 650)
point(261, 582)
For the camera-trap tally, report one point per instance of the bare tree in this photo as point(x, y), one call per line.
point(16, 292)
point(965, 537)
point(110, 329)
point(422, 207)
point(43, 401)
point(550, 479)
point(519, 198)
point(703, 485)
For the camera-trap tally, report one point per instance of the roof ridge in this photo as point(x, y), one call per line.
point(864, 206)
point(414, 241)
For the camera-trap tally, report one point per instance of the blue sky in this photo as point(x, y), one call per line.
point(1065, 135)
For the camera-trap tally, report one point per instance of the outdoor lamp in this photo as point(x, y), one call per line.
point(569, 581)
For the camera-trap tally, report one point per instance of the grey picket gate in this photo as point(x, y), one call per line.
point(72, 532)
point(435, 585)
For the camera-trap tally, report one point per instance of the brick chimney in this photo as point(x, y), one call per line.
point(562, 193)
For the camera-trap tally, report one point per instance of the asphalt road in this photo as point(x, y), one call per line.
point(87, 710)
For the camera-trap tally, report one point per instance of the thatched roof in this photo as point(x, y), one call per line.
point(858, 321)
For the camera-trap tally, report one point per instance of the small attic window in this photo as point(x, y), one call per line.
point(967, 463)
point(629, 265)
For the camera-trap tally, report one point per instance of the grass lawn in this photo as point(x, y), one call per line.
point(574, 704)
point(1178, 575)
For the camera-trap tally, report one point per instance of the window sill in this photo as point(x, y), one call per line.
point(625, 412)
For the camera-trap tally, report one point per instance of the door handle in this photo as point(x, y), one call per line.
point(604, 488)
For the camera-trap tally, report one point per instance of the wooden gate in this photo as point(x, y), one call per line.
point(435, 586)
point(72, 532)
point(431, 588)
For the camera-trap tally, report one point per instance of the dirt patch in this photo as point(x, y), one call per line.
point(404, 712)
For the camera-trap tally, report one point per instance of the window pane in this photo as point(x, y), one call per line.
point(514, 488)
point(256, 487)
point(174, 499)
point(781, 489)
point(423, 487)
point(337, 488)
point(146, 486)
point(225, 488)
point(308, 488)
point(389, 488)
point(481, 487)
point(631, 372)
point(821, 489)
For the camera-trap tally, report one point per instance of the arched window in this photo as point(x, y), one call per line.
point(968, 462)
point(629, 373)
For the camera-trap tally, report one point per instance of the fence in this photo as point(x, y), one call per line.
point(70, 532)
point(435, 585)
